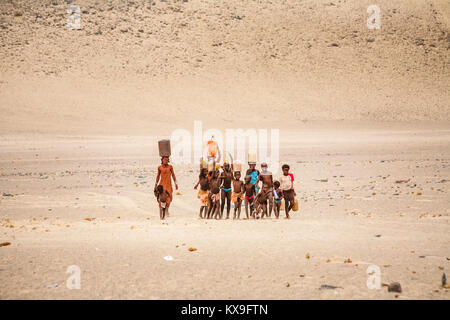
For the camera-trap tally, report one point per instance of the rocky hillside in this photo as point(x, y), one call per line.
point(285, 46)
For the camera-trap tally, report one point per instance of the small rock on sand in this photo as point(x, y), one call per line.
point(394, 287)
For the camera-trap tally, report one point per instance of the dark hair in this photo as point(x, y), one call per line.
point(202, 173)
point(276, 183)
point(162, 158)
point(285, 166)
point(160, 188)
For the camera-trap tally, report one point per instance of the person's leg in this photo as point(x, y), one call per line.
point(228, 195)
point(222, 197)
point(169, 201)
point(201, 211)
point(286, 205)
point(246, 207)
point(218, 215)
point(238, 207)
point(270, 199)
point(210, 207)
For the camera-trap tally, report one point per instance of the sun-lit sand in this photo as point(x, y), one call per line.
point(364, 120)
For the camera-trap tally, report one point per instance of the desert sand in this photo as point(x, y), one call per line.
point(364, 120)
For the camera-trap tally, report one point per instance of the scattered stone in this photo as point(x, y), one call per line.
point(192, 249)
point(328, 287)
point(7, 194)
point(4, 244)
point(395, 287)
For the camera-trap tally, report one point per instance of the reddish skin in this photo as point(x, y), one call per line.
point(226, 177)
point(267, 187)
point(214, 182)
point(238, 187)
point(278, 205)
point(162, 197)
point(250, 191)
point(203, 181)
point(165, 164)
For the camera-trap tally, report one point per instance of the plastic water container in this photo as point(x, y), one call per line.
point(164, 148)
point(212, 148)
point(211, 165)
point(203, 164)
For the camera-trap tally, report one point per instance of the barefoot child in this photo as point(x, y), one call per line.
point(225, 194)
point(287, 186)
point(267, 185)
point(277, 197)
point(203, 192)
point(238, 194)
point(250, 192)
point(214, 195)
point(261, 203)
point(163, 197)
point(166, 174)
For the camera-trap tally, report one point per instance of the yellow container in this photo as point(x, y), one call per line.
point(295, 206)
point(203, 164)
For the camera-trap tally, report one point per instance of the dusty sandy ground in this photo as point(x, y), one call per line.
point(358, 109)
point(360, 214)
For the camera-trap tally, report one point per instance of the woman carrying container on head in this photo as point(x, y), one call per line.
point(165, 173)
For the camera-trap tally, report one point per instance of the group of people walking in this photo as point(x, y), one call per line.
point(221, 186)
point(219, 189)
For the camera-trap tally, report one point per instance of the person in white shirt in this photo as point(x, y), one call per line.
point(287, 186)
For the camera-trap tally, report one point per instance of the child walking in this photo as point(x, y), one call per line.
point(287, 186)
point(214, 195)
point(203, 192)
point(163, 197)
point(238, 194)
point(277, 197)
point(250, 192)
